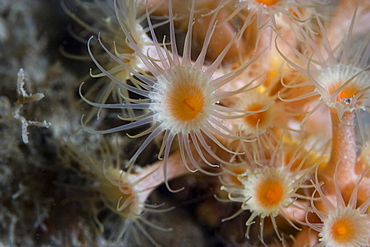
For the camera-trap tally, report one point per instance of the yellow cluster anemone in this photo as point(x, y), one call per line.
point(342, 224)
point(262, 113)
point(203, 80)
point(270, 184)
point(180, 97)
point(120, 190)
point(340, 74)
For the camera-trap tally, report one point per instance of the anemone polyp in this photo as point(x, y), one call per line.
point(340, 80)
point(268, 188)
point(345, 227)
point(266, 192)
point(261, 112)
point(122, 193)
point(256, 117)
point(180, 97)
point(339, 74)
point(344, 87)
point(119, 194)
point(343, 224)
point(108, 28)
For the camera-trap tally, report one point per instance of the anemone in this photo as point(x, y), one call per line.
point(270, 185)
point(267, 118)
point(180, 97)
point(342, 224)
point(339, 74)
point(124, 192)
point(125, 198)
point(261, 112)
point(108, 28)
point(263, 120)
point(278, 14)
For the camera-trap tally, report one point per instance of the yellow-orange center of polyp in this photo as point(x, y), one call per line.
point(346, 93)
point(255, 118)
point(267, 2)
point(269, 193)
point(186, 102)
point(343, 231)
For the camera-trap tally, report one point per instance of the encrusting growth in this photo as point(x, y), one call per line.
point(16, 112)
point(250, 93)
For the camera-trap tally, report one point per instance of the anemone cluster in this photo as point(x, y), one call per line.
point(268, 98)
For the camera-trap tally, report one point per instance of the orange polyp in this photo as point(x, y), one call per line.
point(293, 12)
point(271, 75)
point(186, 102)
point(342, 230)
point(234, 176)
point(112, 194)
point(267, 2)
point(256, 117)
point(295, 164)
point(270, 193)
point(346, 94)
